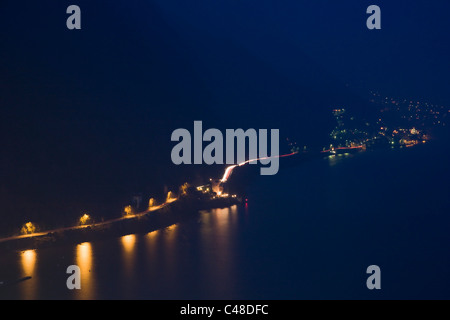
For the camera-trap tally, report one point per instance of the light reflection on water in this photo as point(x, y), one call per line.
point(277, 247)
point(83, 259)
point(218, 250)
point(128, 243)
point(28, 263)
point(161, 260)
point(335, 159)
point(28, 259)
point(169, 241)
point(161, 264)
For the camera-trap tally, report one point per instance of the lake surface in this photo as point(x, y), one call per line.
point(310, 232)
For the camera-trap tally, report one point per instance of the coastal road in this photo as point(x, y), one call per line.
point(229, 169)
point(130, 216)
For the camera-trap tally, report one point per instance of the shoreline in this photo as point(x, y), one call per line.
point(153, 219)
point(144, 222)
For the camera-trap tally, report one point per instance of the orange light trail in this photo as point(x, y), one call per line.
point(229, 169)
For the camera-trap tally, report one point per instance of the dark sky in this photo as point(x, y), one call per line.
point(88, 112)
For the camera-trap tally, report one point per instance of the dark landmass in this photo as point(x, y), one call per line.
point(184, 208)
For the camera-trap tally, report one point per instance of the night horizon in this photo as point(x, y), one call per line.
point(132, 128)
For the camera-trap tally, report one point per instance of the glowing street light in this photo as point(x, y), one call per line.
point(85, 219)
point(151, 203)
point(128, 210)
point(28, 228)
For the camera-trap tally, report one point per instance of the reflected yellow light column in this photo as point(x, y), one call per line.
point(218, 237)
point(28, 261)
point(151, 244)
point(233, 214)
point(129, 254)
point(128, 243)
point(169, 241)
point(83, 259)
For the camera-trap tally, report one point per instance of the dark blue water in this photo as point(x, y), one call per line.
point(309, 232)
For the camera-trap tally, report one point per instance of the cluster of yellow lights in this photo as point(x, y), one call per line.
point(224, 195)
point(128, 210)
point(28, 228)
point(84, 219)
